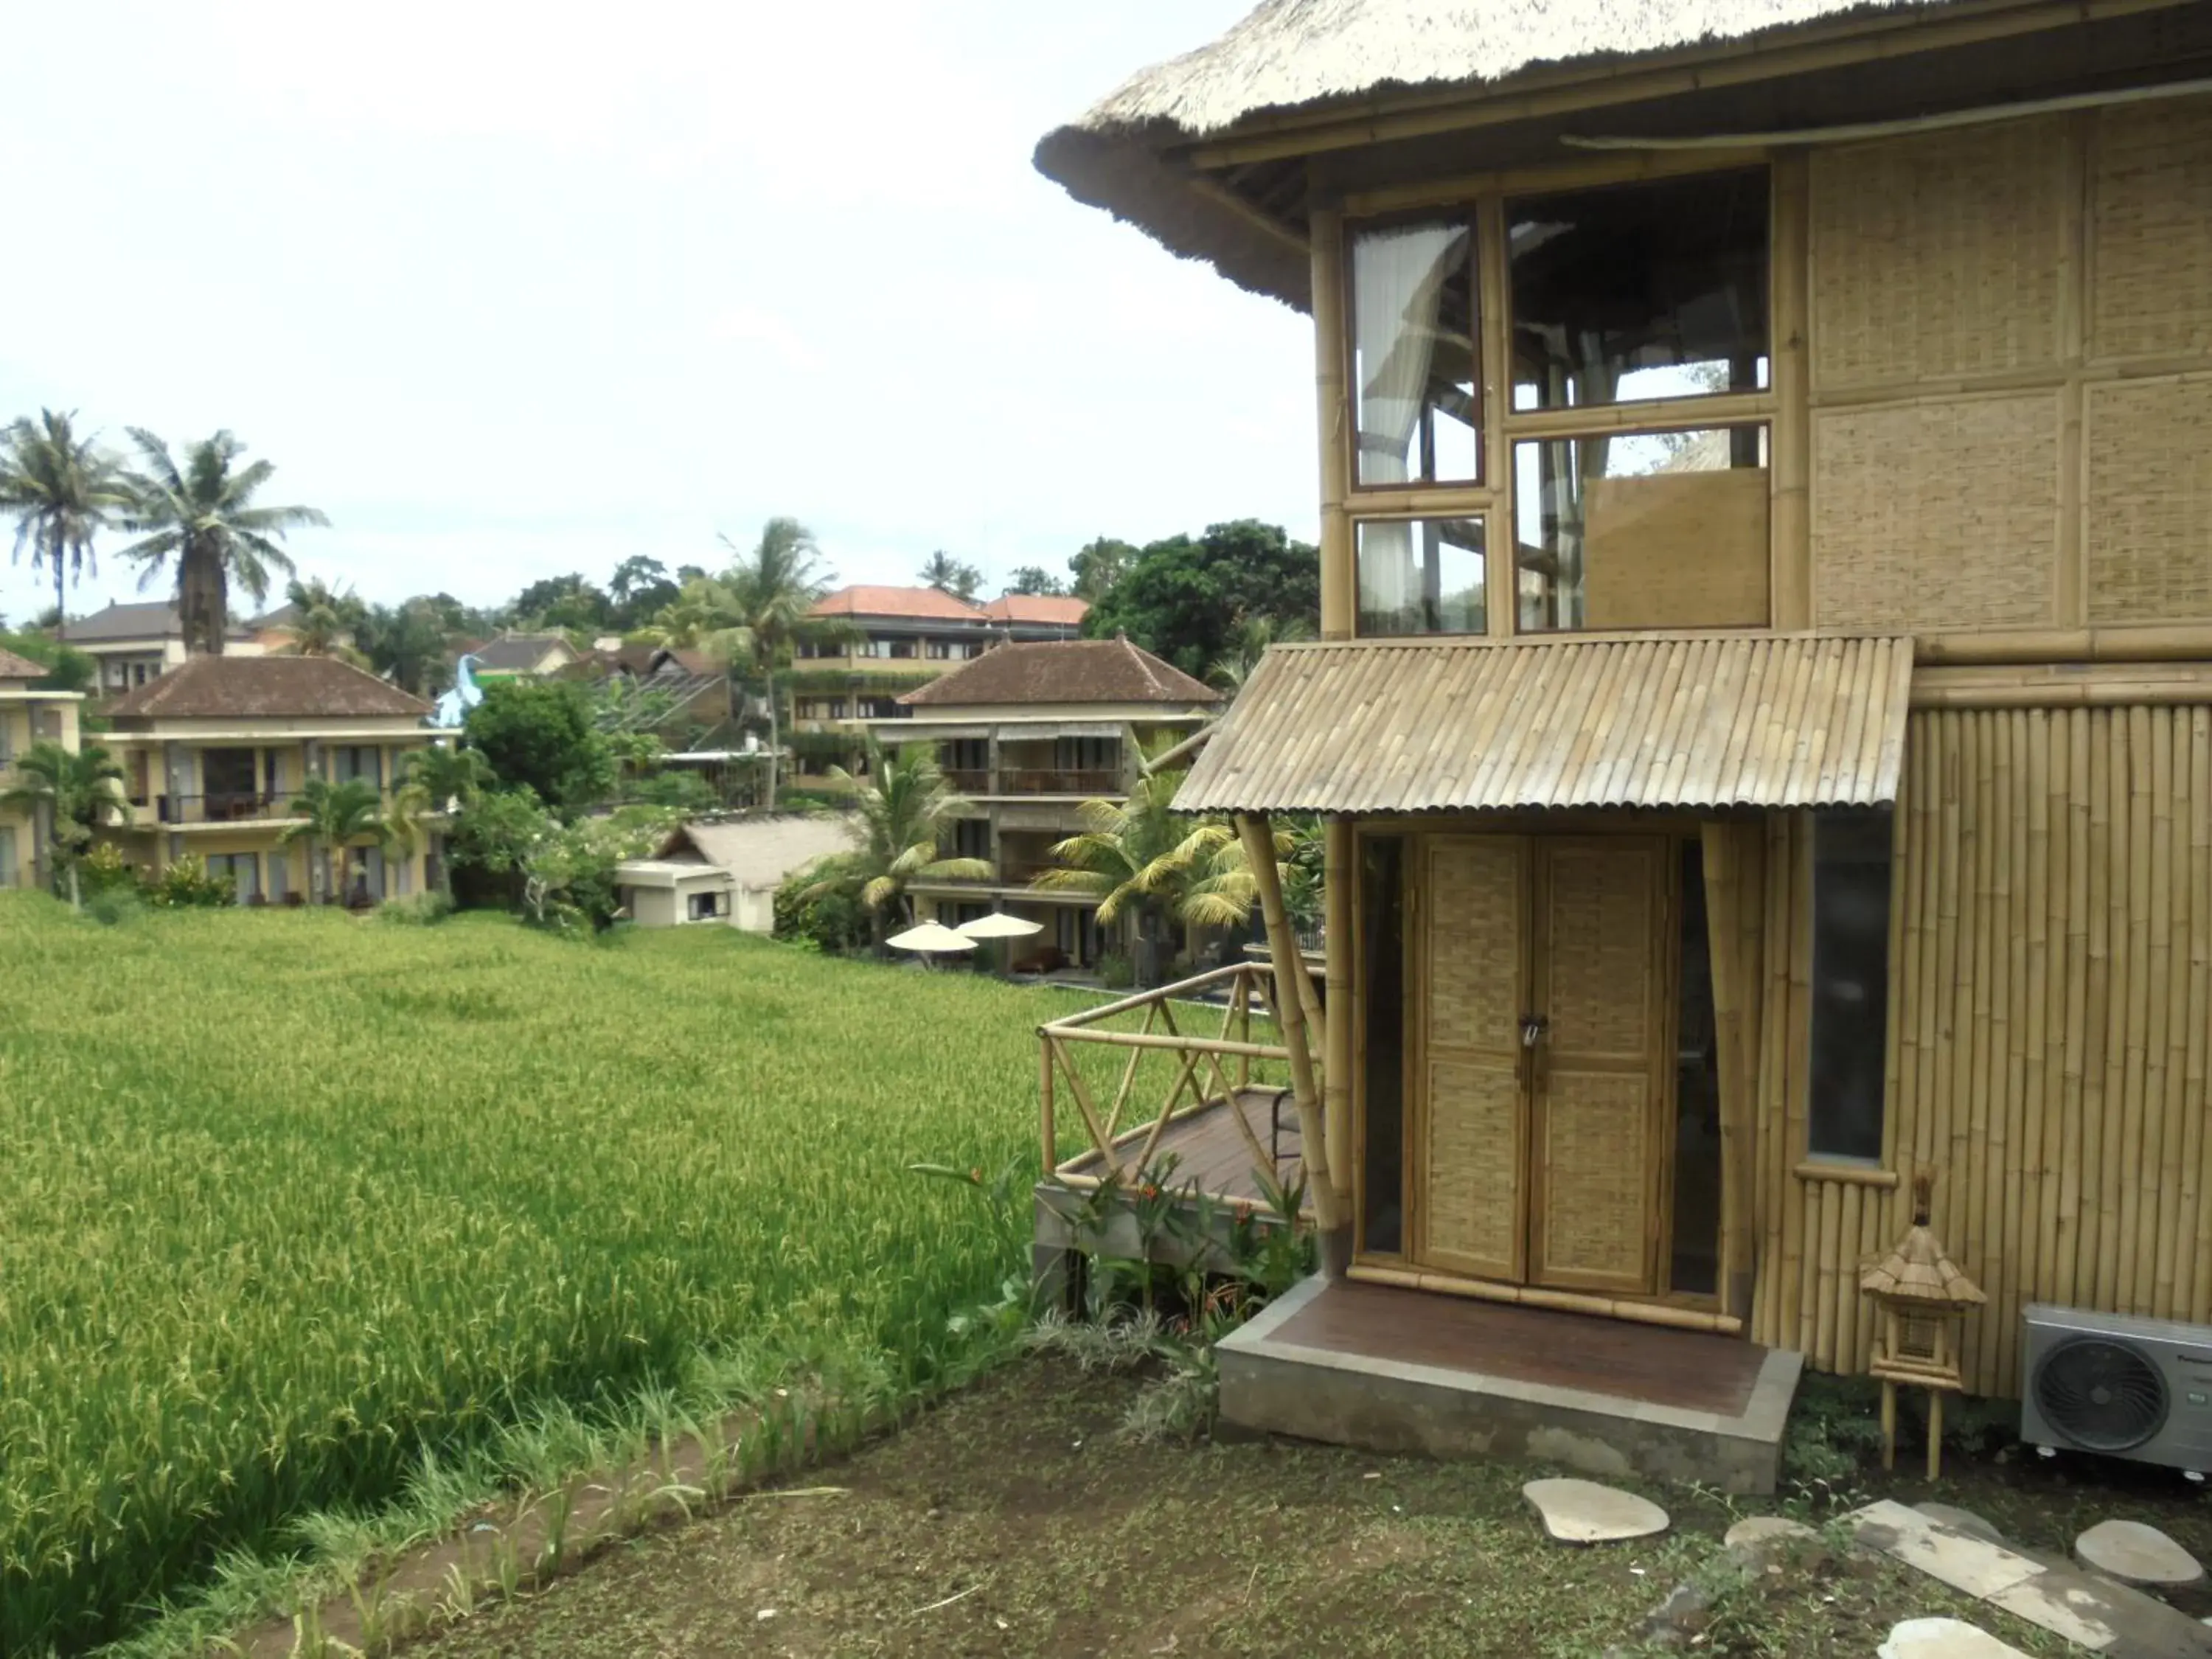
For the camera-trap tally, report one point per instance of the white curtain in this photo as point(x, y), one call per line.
point(1397, 285)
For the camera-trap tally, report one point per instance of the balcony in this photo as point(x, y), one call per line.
point(229, 806)
point(1059, 780)
point(969, 780)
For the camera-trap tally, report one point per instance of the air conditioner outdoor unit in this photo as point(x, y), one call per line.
point(2140, 1388)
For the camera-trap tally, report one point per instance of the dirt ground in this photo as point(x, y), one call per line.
point(1017, 1520)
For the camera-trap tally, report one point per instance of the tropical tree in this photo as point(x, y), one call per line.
point(333, 817)
point(442, 778)
point(906, 810)
point(1247, 643)
point(63, 489)
point(328, 620)
point(543, 733)
point(72, 790)
point(406, 643)
point(1098, 566)
point(942, 571)
point(202, 518)
point(1035, 579)
point(754, 616)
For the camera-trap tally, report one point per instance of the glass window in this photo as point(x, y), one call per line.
point(1413, 354)
point(1642, 530)
point(1850, 983)
point(1382, 1044)
point(1648, 290)
point(1694, 1262)
point(1421, 576)
point(8, 876)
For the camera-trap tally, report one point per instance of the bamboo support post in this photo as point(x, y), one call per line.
point(1046, 1129)
point(1338, 875)
point(1252, 829)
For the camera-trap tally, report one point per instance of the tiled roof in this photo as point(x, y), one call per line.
point(511, 653)
point(1057, 608)
point(909, 604)
point(1062, 671)
point(153, 619)
point(267, 688)
point(12, 667)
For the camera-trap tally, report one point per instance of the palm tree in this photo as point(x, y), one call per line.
point(333, 817)
point(406, 643)
point(327, 620)
point(63, 489)
point(203, 517)
point(755, 616)
point(906, 812)
point(1247, 643)
point(1139, 858)
point(947, 575)
point(71, 790)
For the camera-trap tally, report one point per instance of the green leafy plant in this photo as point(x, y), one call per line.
point(185, 885)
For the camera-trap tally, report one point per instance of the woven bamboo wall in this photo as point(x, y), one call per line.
point(1937, 515)
point(2009, 330)
point(2052, 1010)
point(2148, 535)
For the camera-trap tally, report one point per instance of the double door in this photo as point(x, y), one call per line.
point(1541, 1070)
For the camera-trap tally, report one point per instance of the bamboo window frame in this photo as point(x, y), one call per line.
point(1484, 201)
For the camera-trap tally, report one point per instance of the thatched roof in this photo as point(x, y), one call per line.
point(1917, 1270)
point(1305, 56)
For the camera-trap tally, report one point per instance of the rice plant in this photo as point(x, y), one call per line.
point(300, 1214)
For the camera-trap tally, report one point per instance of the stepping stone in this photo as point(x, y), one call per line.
point(1960, 1520)
point(1758, 1535)
point(2136, 1554)
point(1583, 1512)
point(1944, 1639)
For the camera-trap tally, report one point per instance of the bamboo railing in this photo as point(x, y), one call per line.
point(1209, 1070)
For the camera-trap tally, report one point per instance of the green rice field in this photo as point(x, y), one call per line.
point(289, 1200)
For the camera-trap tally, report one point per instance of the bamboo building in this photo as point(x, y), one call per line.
point(1763, 717)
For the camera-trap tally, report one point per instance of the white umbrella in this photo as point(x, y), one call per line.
point(999, 925)
point(930, 937)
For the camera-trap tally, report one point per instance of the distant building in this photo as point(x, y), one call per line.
point(725, 872)
point(524, 656)
point(214, 753)
point(905, 637)
point(135, 643)
point(28, 715)
point(1027, 733)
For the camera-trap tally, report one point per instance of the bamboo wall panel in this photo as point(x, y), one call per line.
point(1936, 516)
point(2052, 1007)
point(1937, 256)
point(2150, 227)
point(2148, 497)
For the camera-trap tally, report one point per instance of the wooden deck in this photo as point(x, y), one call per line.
point(1210, 1153)
point(1690, 1371)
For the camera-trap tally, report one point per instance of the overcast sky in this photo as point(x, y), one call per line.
point(513, 290)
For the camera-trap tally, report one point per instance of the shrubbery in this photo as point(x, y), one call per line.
point(832, 920)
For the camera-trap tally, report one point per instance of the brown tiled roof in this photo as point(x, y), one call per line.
point(1058, 608)
point(915, 604)
point(267, 688)
point(12, 667)
point(1062, 671)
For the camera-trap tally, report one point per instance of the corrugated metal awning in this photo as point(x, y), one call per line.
point(1672, 721)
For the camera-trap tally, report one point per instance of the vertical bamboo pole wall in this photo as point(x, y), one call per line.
point(2051, 1015)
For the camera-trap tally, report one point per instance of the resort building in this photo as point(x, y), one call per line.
point(890, 640)
point(523, 656)
point(1027, 733)
point(1763, 721)
point(725, 872)
point(135, 643)
point(28, 715)
point(215, 752)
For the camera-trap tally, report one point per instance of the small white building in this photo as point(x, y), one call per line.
point(725, 872)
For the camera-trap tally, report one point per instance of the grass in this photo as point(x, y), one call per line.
point(309, 1218)
point(1020, 1518)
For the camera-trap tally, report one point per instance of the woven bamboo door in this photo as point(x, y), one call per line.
point(1601, 1070)
point(1471, 1151)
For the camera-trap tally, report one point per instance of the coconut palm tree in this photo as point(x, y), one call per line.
point(1247, 643)
point(1137, 858)
point(327, 621)
point(203, 519)
point(333, 817)
point(906, 810)
point(754, 616)
point(406, 643)
point(63, 489)
point(70, 791)
point(940, 570)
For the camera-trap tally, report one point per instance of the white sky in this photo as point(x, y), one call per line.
point(512, 290)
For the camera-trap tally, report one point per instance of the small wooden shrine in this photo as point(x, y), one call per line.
point(1922, 1296)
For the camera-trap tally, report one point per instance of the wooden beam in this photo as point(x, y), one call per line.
point(1738, 1088)
point(1791, 526)
point(1340, 875)
point(1258, 836)
point(1333, 422)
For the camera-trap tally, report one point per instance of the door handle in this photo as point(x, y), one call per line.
point(1534, 1029)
